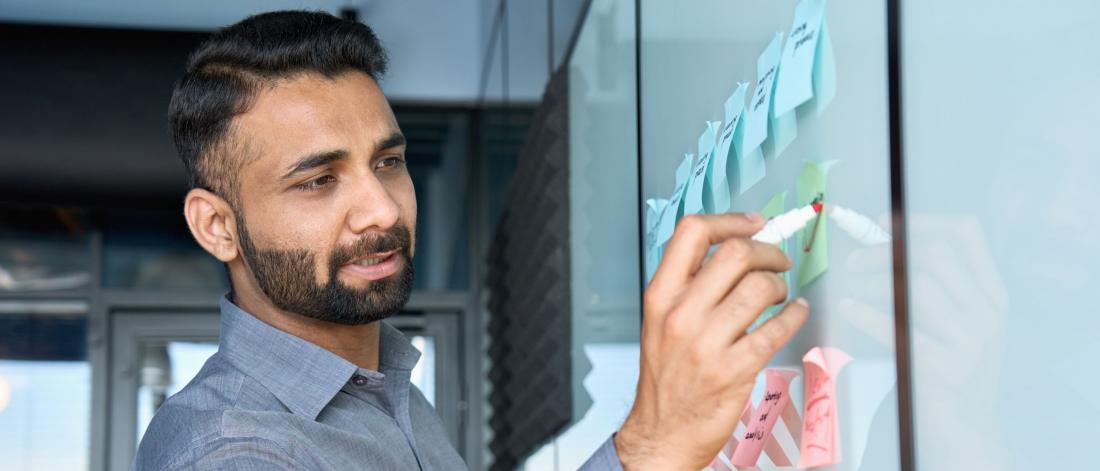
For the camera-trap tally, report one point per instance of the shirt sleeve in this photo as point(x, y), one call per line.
point(606, 458)
point(241, 454)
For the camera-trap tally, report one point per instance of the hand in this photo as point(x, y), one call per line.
point(698, 365)
point(957, 323)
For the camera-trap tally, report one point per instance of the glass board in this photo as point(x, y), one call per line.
point(693, 56)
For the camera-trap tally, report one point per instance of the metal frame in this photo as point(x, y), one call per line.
point(902, 345)
point(129, 330)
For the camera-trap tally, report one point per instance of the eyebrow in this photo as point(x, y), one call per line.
point(393, 140)
point(319, 159)
point(313, 161)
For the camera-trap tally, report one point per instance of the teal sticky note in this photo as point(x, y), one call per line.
point(673, 211)
point(653, 209)
point(750, 164)
point(693, 197)
point(706, 149)
point(824, 70)
point(719, 167)
point(795, 82)
point(756, 117)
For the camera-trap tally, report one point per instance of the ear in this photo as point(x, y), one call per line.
point(212, 223)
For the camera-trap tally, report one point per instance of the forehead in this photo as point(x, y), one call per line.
point(310, 113)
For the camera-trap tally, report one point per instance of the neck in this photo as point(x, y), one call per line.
point(357, 344)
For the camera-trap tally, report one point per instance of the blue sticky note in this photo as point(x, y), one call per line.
point(720, 169)
point(653, 209)
point(693, 197)
point(706, 150)
point(673, 211)
point(756, 117)
point(824, 70)
point(750, 169)
point(796, 81)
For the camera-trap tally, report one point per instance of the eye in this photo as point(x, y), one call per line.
point(391, 162)
point(316, 184)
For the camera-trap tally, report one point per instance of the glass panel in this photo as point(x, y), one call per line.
point(423, 374)
point(438, 160)
point(694, 55)
point(1001, 167)
point(45, 392)
point(153, 249)
point(605, 268)
point(165, 368)
point(43, 249)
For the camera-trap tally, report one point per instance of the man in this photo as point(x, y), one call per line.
point(300, 187)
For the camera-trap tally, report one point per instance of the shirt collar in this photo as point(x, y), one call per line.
point(303, 376)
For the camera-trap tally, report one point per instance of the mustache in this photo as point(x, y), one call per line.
point(398, 238)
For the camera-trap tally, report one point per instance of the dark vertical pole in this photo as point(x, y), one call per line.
point(638, 138)
point(901, 280)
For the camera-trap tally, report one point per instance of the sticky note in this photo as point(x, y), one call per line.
point(654, 207)
point(820, 443)
point(756, 118)
point(693, 194)
point(722, 462)
point(774, 207)
point(699, 198)
point(719, 173)
point(766, 414)
point(672, 212)
point(824, 70)
point(706, 146)
point(797, 71)
point(750, 167)
point(813, 263)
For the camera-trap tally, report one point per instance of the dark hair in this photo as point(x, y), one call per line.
point(224, 75)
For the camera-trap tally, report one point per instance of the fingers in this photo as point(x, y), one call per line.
point(753, 350)
point(732, 260)
point(757, 291)
point(694, 236)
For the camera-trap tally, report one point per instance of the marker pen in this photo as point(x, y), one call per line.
point(784, 226)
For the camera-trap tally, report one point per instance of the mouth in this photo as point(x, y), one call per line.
point(374, 267)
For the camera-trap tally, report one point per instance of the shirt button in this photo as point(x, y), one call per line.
point(359, 380)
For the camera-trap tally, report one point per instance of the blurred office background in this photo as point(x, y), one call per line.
point(107, 306)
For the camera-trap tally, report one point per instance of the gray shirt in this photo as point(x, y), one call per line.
point(268, 400)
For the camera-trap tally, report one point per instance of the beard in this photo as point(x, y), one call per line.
point(287, 278)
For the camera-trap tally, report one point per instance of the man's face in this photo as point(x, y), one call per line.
point(326, 213)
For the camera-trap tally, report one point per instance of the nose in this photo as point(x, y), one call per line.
point(371, 207)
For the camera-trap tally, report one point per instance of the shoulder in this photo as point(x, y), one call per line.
point(200, 427)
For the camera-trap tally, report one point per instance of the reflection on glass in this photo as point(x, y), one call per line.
point(423, 374)
point(165, 368)
point(45, 387)
point(153, 250)
point(43, 249)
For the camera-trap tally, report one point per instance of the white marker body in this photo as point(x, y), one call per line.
point(860, 227)
point(784, 226)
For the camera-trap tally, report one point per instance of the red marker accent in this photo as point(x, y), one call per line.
point(818, 207)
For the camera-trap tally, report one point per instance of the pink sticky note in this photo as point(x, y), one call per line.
point(820, 425)
point(758, 433)
point(731, 445)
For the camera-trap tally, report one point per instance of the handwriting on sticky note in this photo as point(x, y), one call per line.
point(820, 423)
point(796, 84)
point(759, 430)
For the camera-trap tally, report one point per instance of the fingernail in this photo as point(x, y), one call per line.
point(753, 217)
point(802, 301)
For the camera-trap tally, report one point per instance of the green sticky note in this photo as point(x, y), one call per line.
point(774, 207)
point(812, 264)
